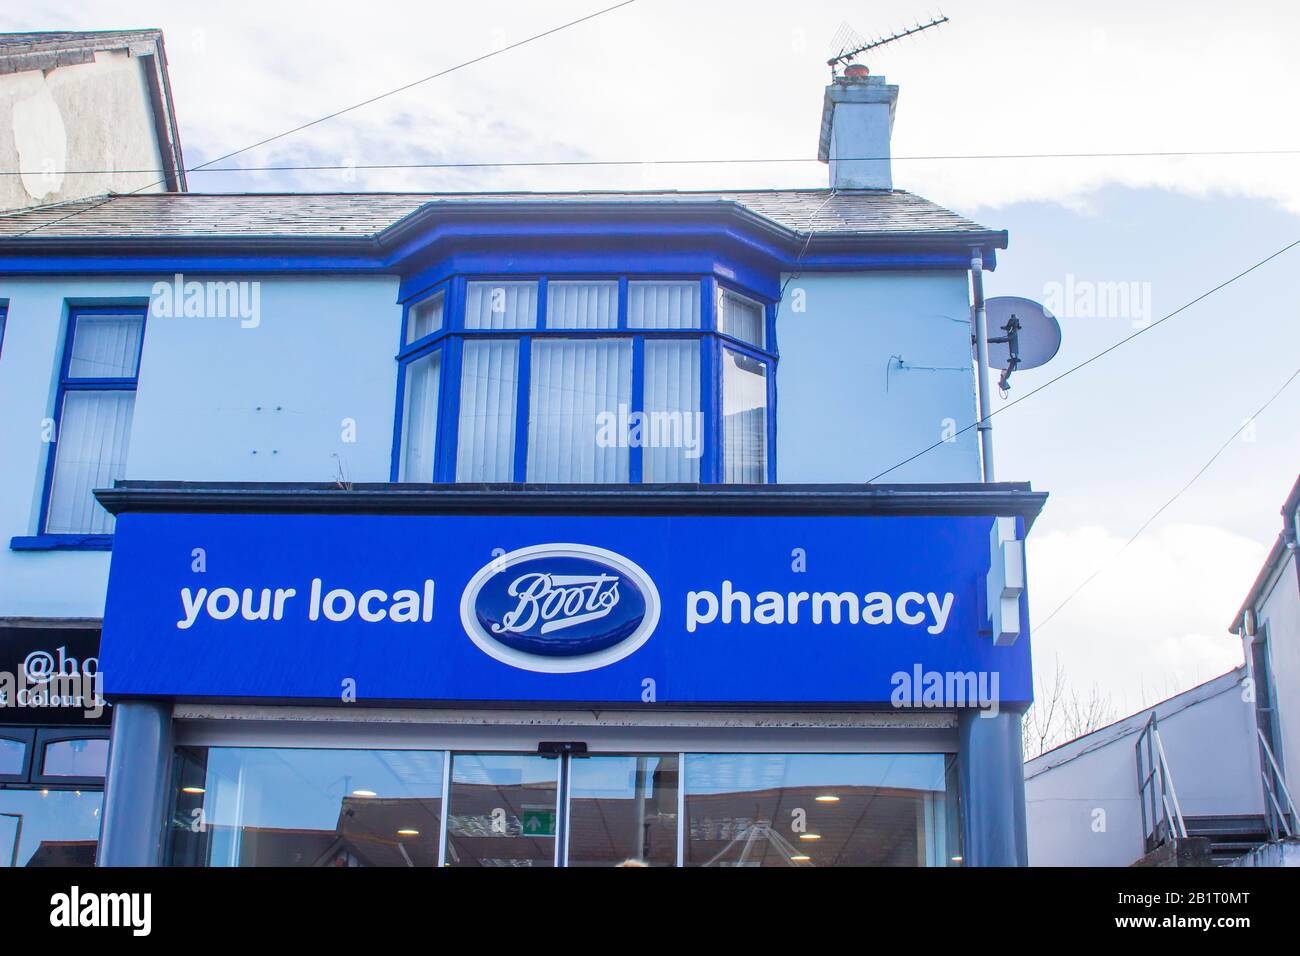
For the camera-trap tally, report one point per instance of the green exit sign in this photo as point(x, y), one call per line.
point(538, 823)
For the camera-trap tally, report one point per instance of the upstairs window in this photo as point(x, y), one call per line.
point(741, 318)
point(574, 380)
point(425, 317)
point(92, 417)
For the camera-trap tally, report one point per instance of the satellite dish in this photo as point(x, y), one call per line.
point(1022, 334)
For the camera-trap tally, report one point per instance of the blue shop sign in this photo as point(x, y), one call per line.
point(564, 609)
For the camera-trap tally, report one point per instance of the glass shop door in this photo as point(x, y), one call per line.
point(503, 810)
point(511, 809)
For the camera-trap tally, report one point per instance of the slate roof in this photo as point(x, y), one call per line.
point(174, 216)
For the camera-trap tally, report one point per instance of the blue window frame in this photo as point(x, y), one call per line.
point(586, 379)
point(93, 408)
point(4, 315)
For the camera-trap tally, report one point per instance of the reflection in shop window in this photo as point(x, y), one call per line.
point(49, 827)
point(502, 810)
point(12, 756)
point(623, 808)
point(297, 807)
point(76, 758)
point(821, 810)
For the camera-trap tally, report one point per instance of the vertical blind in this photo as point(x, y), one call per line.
point(105, 346)
point(575, 387)
point(94, 429)
point(501, 305)
point(581, 305)
point(425, 317)
point(673, 428)
point(420, 417)
point(486, 434)
point(741, 317)
point(90, 453)
point(577, 395)
point(671, 304)
point(744, 419)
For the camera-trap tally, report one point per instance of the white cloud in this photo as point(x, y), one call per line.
point(673, 79)
point(1154, 622)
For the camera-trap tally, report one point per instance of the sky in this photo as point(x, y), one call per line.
point(671, 79)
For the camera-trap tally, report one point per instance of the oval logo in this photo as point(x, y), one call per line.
point(560, 608)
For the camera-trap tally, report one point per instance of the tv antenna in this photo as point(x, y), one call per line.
point(850, 44)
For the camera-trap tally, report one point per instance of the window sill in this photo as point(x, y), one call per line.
point(62, 542)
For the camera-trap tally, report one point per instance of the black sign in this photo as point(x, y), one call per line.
point(47, 674)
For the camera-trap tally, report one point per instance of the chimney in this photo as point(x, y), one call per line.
point(857, 122)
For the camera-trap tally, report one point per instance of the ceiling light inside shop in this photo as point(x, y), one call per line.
point(407, 831)
point(827, 798)
point(192, 790)
point(810, 836)
point(363, 793)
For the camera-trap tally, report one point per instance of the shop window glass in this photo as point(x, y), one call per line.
point(75, 758)
point(49, 827)
point(12, 754)
point(821, 810)
point(623, 808)
point(503, 810)
point(237, 806)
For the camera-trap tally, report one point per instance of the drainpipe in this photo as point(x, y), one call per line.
point(984, 426)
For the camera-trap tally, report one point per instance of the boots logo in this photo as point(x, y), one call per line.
point(560, 608)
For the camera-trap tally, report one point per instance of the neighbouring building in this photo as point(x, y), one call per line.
point(1268, 624)
point(518, 529)
point(1200, 778)
point(86, 114)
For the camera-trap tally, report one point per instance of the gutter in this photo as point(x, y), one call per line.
point(1008, 499)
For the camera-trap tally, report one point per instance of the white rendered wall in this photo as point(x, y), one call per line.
point(846, 409)
point(1084, 811)
point(87, 116)
point(320, 357)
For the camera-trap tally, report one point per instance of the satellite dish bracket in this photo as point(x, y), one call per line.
point(1012, 341)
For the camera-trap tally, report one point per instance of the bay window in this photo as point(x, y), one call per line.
point(585, 380)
